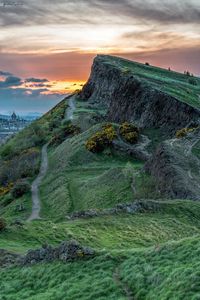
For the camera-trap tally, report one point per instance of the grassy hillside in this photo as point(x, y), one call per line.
point(183, 87)
point(171, 220)
point(147, 255)
point(164, 272)
point(80, 180)
point(20, 159)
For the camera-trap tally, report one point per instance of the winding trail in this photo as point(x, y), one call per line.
point(71, 108)
point(123, 286)
point(36, 206)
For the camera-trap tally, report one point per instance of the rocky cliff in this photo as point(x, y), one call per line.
point(130, 98)
point(176, 168)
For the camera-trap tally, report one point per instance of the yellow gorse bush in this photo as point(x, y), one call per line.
point(101, 139)
point(129, 132)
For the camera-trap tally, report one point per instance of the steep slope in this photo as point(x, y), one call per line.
point(176, 165)
point(134, 92)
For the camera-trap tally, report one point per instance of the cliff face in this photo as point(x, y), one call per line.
point(129, 98)
point(175, 169)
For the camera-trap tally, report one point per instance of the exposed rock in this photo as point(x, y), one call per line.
point(176, 169)
point(66, 251)
point(7, 258)
point(17, 223)
point(129, 98)
point(138, 151)
point(138, 206)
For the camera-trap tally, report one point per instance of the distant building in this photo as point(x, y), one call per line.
point(11, 125)
point(14, 116)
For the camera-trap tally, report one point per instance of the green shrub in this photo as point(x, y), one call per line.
point(102, 139)
point(7, 151)
point(6, 189)
point(22, 166)
point(66, 130)
point(129, 132)
point(2, 224)
point(20, 188)
point(192, 81)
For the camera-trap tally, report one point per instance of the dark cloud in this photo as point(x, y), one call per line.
point(40, 85)
point(10, 81)
point(2, 73)
point(26, 100)
point(166, 11)
point(91, 11)
point(36, 80)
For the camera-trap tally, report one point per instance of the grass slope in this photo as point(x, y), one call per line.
point(79, 180)
point(28, 140)
point(172, 220)
point(170, 271)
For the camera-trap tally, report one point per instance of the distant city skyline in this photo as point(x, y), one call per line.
point(47, 47)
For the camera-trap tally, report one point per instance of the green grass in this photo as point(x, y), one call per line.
point(162, 272)
point(170, 271)
point(170, 82)
point(32, 137)
point(79, 180)
point(172, 220)
point(11, 211)
point(86, 280)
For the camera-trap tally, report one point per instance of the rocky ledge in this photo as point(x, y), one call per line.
point(176, 168)
point(129, 98)
point(138, 206)
point(65, 252)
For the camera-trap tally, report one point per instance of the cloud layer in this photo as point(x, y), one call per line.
point(24, 95)
point(91, 11)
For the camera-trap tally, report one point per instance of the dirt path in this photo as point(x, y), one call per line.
point(36, 207)
point(71, 108)
point(123, 286)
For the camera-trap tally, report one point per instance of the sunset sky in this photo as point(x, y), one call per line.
point(47, 47)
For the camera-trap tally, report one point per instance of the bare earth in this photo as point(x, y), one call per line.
point(35, 186)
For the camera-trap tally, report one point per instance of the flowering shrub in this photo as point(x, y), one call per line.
point(129, 132)
point(183, 132)
point(5, 189)
point(60, 134)
point(102, 139)
point(20, 188)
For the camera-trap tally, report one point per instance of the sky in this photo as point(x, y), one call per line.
point(47, 47)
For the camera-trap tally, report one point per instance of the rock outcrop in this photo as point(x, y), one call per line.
point(138, 206)
point(7, 258)
point(66, 251)
point(129, 98)
point(176, 169)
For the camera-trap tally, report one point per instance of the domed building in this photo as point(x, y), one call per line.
point(14, 116)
